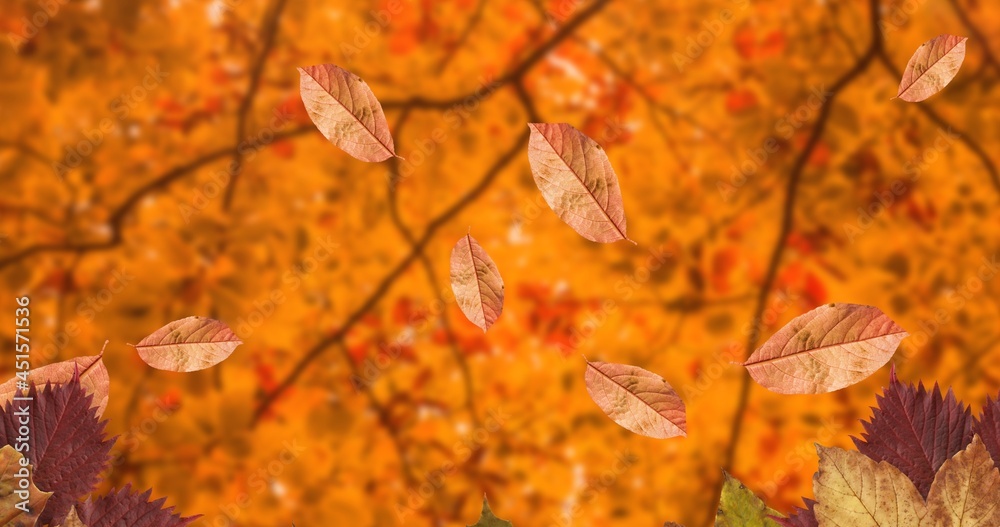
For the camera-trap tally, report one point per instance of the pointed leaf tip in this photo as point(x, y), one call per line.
point(636, 399)
point(346, 112)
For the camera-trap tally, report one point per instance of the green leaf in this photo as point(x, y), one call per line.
point(487, 519)
point(739, 507)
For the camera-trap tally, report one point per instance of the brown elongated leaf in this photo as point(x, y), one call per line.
point(476, 283)
point(932, 67)
point(93, 378)
point(966, 491)
point(826, 349)
point(636, 399)
point(855, 491)
point(19, 507)
point(574, 175)
point(188, 344)
point(346, 112)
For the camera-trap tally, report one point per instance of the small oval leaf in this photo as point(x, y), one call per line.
point(826, 349)
point(20, 500)
point(932, 67)
point(574, 175)
point(636, 399)
point(476, 283)
point(93, 377)
point(188, 344)
point(346, 112)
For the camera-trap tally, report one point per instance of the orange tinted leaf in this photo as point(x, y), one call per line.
point(638, 400)
point(188, 344)
point(476, 283)
point(93, 378)
point(826, 349)
point(932, 67)
point(346, 112)
point(577, 181)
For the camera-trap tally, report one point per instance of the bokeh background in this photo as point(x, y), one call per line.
point(156, 163)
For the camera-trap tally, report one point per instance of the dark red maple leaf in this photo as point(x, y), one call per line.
point(988, 428)
point(800, 517)
point(916, 430)
point(129, 509)
point(67, 446)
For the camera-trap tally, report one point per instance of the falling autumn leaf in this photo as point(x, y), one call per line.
point(855, 491)
point(10, 514)
point(577, 181)
point(636, 399)
point(487, 519)
point(826, 349)
point(189, 344)
point(91, 370)
point(346, 112)
point(476, 283)
point(932, 67)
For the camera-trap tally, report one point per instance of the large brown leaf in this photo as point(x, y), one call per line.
point(93, 378)
point(638, 400)
point(577, 181)
point(188, 344)
point(826, 349)
point(476, 283)
point(346, 112)
point(932, 67)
